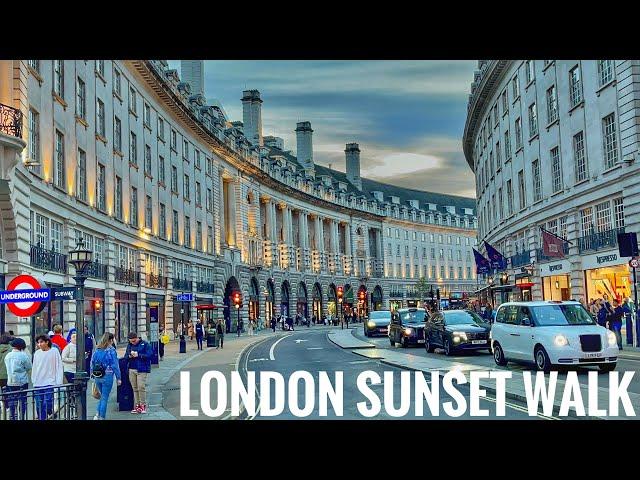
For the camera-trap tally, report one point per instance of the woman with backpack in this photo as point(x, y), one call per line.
point(104, 365)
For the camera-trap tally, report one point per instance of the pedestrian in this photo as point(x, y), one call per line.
point(240, 326)
point(220, 334)
point(615, 321)
point(190, 330)
point(629, 314)
point(594, 307)
point(89, 342)
point(138, 354)
point(273, 324)
point(104, 366)
point(5, 348)
point(69, 359)
point(199, 333)
point(164, 339)
point(69, 333)
point(18, 365)
point(47, 373)
point(57, 337)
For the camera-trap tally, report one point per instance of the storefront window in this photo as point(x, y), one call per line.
point(556, 287)
point(126, 315)
point(611, 281)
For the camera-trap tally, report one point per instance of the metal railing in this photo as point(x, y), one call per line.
point(541, 257)
point(181, 284)
point(599, 240)
point(156, 281)
point(204, 287)
point(10, 121)
point(48, 259)
point(127, 276)
point(520, 259)
point(97, 270)
point(45, 403)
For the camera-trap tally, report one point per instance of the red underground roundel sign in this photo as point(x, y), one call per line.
point(35, 296)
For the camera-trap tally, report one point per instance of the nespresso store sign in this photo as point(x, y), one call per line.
point(555, 268)
point(602, 260)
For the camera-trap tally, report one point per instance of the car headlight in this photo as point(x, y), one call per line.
point(462, 335)
point(408, 331)
point(612, 338)
point(560, 341)
point(371, 324)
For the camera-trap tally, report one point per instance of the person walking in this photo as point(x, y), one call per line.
point(604, 313)
point(164, 339)
point(69, 333)
point(220, 334)
point(69, 359)
point(615, 321)
point(251, 324)
point(593, 308)
point(273, 324)
point(240, 327)
point(46, 374)
point(57, 337)
point(104, 366)
point(190, 330)
point(138, 354)
point(629, 315)
point(18, 365)
point(199, 333)
point(89, 342)
point(5, 348)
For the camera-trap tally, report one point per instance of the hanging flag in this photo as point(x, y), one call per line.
point(552, 245)
point(482, 264)
point(496, 259)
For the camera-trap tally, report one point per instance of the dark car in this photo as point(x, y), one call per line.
point(378, 323)
point(407, 326)
point(457, 330)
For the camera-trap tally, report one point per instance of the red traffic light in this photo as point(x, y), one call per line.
point(340, 292)
point(362, 295)
point(237, 298)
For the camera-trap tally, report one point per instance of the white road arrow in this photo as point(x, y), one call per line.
point(259, 360)
point(300, 340)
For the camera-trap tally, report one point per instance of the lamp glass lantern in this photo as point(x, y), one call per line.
point(80, 257)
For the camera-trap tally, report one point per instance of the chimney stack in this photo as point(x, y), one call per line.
point(304, 135)
point(252, 116)
point(352, 153)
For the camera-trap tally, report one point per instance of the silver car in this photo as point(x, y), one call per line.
point(378, 323)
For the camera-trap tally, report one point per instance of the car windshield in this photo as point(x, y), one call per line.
point(380, 315)
point(462, 318)
point(417, 316)
point(558, 315)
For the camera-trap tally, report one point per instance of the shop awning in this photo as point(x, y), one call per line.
point(209, 307)
point(525, 285)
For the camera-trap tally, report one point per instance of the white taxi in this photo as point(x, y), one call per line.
point(551, 333)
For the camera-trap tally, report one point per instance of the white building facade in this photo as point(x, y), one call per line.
point(554, 144)
point(172, 199)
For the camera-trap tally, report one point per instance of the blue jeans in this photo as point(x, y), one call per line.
point(104, 385)
point(44, 401)
point(20, 396)
point(617, 329)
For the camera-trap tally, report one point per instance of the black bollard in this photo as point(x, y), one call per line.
point(183, 344)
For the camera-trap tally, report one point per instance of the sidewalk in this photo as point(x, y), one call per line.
point(161, 374)
point(347, 340)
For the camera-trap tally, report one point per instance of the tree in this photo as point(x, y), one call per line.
point(422, 287)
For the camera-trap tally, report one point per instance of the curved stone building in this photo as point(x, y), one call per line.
point(554, 144)
point(173, 198)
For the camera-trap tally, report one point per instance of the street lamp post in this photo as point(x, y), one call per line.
point(80, 258)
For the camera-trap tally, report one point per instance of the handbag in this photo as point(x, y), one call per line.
point(95, 391)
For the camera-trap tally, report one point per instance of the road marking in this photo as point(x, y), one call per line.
point(315, 348)
point(362, 361)
point(259, 360)
point(274, 346)
point(300, 340)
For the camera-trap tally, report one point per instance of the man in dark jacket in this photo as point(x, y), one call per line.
point(615, 321)
point(88, 348)
point(199, 334)
point(139, 355)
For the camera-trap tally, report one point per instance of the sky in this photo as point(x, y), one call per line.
point(407, 116)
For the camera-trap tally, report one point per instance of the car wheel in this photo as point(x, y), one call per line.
point(607, 367)
point(427, 345)
point(542, 360)
point(447, 348)
point(404, 342)
point(498, 355)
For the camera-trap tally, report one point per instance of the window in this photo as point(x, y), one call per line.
point(58, 78)
point(147, 160)
point(41, 238)
point(406, 250)
point(174, 230)
point(146, 115)
point(209, 240)
point(100, 125)
point(441, 254)
point(185, 150)
point(521, 191)
point(34, 136)
point(35, 65)
point(433, 271)
point(161, 129)
point(161, 176)
point(118, 199)
point(198, 195)
point(533, 120)
point(459, 255)
point(174, 141)
point(82, 175)
point(98, 249)
point(530, 71)
point(148, 213)
point(468, 272)
point(433, 254)
point(603, 217)
point(56, 236)
point(495, 115)
point(186, 187)
point(424, 252)
point(133, 149)
point(552, 226)
point(491, 164)
point(134, 206)
point(610, 141)
point(415, 235)
point(397, 233)
point(575, 86)
point(563, 226)
point(117, 134)
point(406, 235)
point(500, 207)
point(198, 235)
point(81, 99)
point(174, 179)
point(605, 72)
point(552, 105)
point(117, 82)
point(442, 271)
point(431, 237)
point(507, 146)
point(210, 201)
point(133, 101)
point(187, 232)
point(197, 161)
point(101, 188)
point(59, 170)
point(618, 212)
point(515, 88)
point(556, 170)
point(518, 134)
point(537, 182)
point(209, 166)
point(100, 67)
point(163, 221)
point(505, 102)
point(498, 159)
point(586, 221)
point(580, 162)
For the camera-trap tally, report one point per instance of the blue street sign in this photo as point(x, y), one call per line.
point(185, 297)
point(63, 293)
point(19, 296)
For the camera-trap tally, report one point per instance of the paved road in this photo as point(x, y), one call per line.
point(311, 350)
point(485, 359)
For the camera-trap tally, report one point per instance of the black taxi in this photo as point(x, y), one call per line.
point(407, 326)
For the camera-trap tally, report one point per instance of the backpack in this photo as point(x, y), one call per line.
point(99, 369)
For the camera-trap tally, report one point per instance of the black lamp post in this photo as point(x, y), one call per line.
point(80, 258)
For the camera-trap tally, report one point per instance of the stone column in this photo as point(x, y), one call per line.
point(577, 275)
point(109, 291)
point(168, 298)
point(222, 210)
point(142, 295)
point(68, 243)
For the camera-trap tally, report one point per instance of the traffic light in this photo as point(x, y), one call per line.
point(340, 293)
point(237, 300)
point(362, 295)
point(438, 293)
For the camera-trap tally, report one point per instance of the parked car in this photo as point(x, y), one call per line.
point(378, 323)
point(407, 326)
point(456, 330)
point(550, 334)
